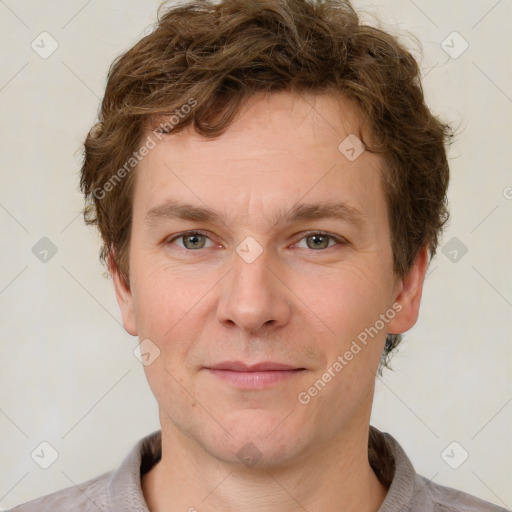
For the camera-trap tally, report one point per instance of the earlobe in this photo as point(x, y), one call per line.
point(408, 295)
point(124, 299)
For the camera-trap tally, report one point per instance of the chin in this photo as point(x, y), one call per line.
point(258, 439)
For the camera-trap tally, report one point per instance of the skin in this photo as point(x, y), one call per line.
point(293, 304)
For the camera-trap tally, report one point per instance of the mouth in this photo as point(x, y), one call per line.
point(257, 376)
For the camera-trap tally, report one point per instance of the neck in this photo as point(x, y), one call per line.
point(335, 476)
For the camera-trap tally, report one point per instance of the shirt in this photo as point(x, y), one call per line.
point(120, 490)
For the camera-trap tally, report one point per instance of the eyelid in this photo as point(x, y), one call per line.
point(191, 232)
point(338, 239)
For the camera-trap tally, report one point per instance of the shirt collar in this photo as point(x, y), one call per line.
point(125, 487)
point(387, 458)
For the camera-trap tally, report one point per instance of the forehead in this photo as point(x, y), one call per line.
point(279, 149)
point(314, 119)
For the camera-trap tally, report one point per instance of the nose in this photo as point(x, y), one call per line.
point(254, 296)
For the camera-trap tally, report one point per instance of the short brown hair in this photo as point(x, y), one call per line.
point(220, 54)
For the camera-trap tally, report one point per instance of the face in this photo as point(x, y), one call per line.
point(265, 245)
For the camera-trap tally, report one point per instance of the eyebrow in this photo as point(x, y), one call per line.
point(173, 209)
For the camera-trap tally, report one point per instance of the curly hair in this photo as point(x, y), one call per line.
point(220, 54)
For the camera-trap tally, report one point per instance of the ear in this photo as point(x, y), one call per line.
point(408, 295)
point(124, 298)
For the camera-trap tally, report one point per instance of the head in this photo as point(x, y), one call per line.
point(243, 110)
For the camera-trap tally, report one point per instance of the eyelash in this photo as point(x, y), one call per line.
point(338, 240)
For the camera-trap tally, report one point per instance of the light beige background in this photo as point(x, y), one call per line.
point(68, 374)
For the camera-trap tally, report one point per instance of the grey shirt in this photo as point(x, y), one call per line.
point(120, 490)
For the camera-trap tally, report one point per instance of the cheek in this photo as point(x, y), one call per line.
point(350, 308)
point(163, 297)
point(348, 299)
point(171, 310)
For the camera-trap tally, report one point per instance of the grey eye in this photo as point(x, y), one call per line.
point(318, 241)
point(194, 241)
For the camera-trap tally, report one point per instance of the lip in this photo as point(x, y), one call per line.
point(257, 376)
point(239, 366)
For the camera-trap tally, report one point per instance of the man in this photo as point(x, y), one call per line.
point(269, 185)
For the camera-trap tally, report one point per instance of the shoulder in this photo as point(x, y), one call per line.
point(116, 490)
point(411, 492)
point(438, 498)
point(89, 496)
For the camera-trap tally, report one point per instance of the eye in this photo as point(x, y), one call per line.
point(320, 240)
point(316, 240)
point(191, 240)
